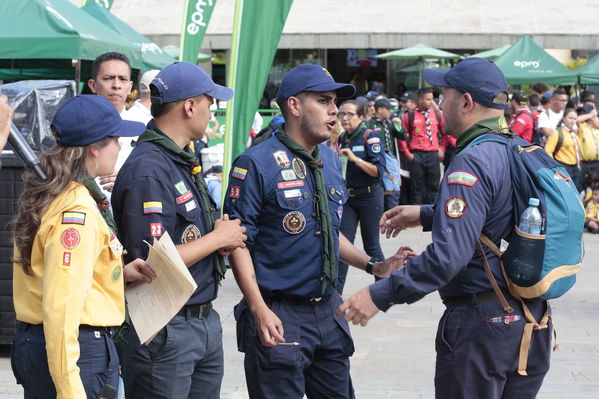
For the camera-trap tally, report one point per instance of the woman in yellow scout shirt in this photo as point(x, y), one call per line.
point(588, 136)
point(563, 145)
point(68, 276)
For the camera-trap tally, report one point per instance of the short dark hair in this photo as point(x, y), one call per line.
point(586, 95)
point(158, 110)
point(567, 111)
point(540, 87)
point(423, 91)
point(360, 111)
point(558, 92)
point(108, 57)
point(533, 100)
point(285, 109)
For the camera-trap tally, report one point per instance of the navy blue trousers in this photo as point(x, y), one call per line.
point(478, 352)
point(367, 210)
point(425, 174)
point(98, 361)
point(318, 366)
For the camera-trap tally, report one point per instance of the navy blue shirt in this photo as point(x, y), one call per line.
point(475, 196)
point(271, 191)
point(155, 192)
point(370, 150)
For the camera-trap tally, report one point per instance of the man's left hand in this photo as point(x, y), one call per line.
point(396, 262)
point(358, 309)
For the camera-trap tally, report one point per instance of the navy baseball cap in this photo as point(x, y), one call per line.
point(519, 96)
point(479, 77)
point(183, 80)
point(383, 103)
point(308, 77)
point(407, 96)
point(88, 118)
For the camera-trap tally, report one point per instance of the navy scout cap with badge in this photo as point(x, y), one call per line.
point(88, 118)
point(308, 77)
point(183, 80)
point(479, 77)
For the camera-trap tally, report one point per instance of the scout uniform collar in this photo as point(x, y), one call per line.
point(100, 198)
point(490, 125)
point(352, 136)
point(152, 136)
point(321, 205)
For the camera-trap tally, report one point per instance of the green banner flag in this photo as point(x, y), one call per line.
point(107, 4)
point(195, 22)
point(257, 28)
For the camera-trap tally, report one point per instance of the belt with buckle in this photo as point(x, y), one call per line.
point(355, 192)
point(196, 311)
point(297, 300)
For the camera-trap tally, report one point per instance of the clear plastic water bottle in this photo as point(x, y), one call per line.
point(531, 221)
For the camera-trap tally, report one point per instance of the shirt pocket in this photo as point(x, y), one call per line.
point(293, 198)
point(337, 195)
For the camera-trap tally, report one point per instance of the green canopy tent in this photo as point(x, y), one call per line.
point(525, 62)
point(49, 38)
point(418, 52)
point(588, 74)
point(152, 56)
point(174, 52)
point(493, 53)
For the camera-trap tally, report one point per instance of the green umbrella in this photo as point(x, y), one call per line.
point(152, 56)
point(493, 53)
point(47, 34)
point(174, 51)
point(418, 52)
point(526, 62)
point(589, 72)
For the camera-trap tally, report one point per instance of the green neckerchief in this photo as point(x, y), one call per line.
point(151, 136)
point(315, 165)
point(100, 198)
point(348, 138)
point(491, 125)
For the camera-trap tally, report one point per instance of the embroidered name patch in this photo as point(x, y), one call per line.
point(294, 222)
point(239, 173)
point(73, 218)
point(357, 148)
point(152, 207)
point(70, 238)
point(191, 205)
point(290, 184)
point(455, 207)
point(462, 178)
point(293, 193)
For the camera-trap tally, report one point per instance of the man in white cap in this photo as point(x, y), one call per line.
point(140, 110)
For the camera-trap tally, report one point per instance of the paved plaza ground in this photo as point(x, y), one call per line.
point(395, 353)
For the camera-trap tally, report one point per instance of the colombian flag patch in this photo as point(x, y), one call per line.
point(73, 218)
point(239, 173)
point(153, 207)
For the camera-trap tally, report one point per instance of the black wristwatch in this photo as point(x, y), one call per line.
point(370, 265)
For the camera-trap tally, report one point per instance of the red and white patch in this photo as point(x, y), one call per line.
point(70, 238)
point(455, 207)
point(235, 192)
point(156, 229)
point(66, 259)
point(185, 197)
point(290, 184)
point(373, 140)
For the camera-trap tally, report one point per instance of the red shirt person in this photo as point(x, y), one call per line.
point(522, 124)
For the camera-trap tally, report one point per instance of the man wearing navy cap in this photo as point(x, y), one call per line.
point(160, 188)
point(478, 342)
point(289, 194)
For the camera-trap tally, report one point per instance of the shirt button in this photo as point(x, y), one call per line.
point(506, 321)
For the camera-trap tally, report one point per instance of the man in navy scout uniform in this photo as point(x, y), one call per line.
point(289, 194)
point(160, 188)
point(477, 343)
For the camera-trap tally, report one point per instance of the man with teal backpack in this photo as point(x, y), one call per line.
point(494, 339)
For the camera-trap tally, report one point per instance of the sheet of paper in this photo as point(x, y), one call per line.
point(151, 306)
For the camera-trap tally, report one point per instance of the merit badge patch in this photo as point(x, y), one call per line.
point(152, 207)
point(191, 205)
point(462, 178)
point(294, 222)
point(234, 192)
point(281, 159)
point(293, 193)
point(66, 259)
point(185, 197)
point(455, 207)
point(116, 273)
point(288, 174)
point(340, 211)
point(115, 244)
point(239, 173)
point(70, 238)
point(299, 167)
point(290, 184)
point(376, 148)
point(373, 140)
point(181, 187)
point(357, 148)
point(190, 233)
point(73, 218)
point(156, 229)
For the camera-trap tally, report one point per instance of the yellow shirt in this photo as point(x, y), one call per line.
point(589, 142)
point(77, 279)
point(591, 211)
point(568, 152)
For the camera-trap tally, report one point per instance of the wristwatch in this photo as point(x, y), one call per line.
point(370, 265)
